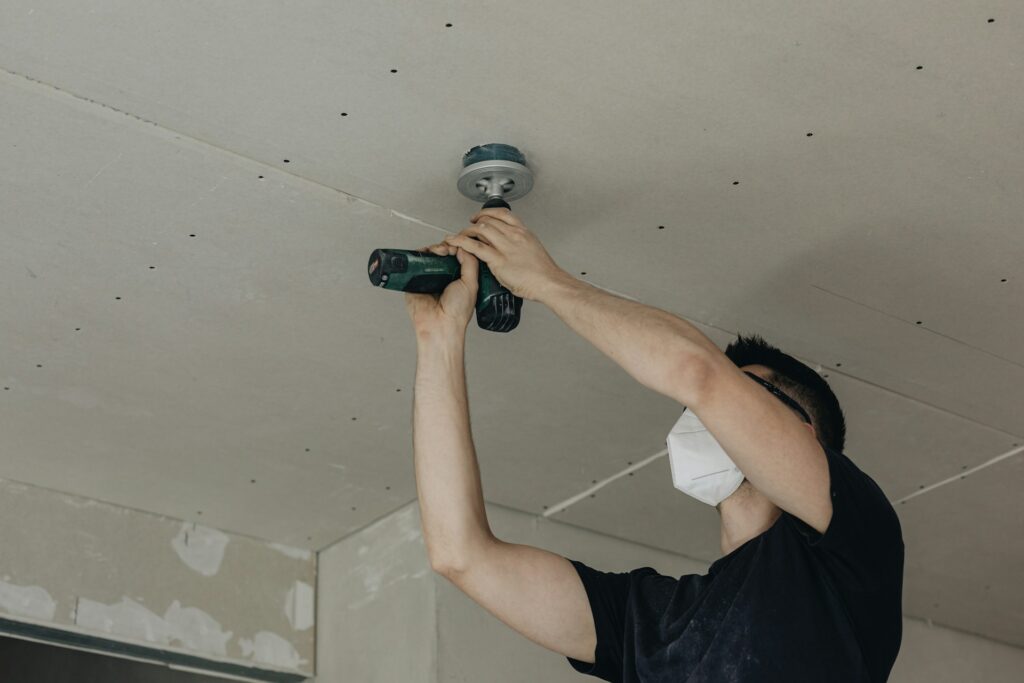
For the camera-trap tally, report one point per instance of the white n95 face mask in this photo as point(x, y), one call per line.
point(700, 466)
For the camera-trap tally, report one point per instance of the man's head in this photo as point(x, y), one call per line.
point(798, 381)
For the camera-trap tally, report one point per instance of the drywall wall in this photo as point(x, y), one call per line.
point(383, 616)
point(95, 569)
point(375, 605)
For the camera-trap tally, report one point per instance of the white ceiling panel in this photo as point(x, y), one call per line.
point(964, 557)
point(638, 116)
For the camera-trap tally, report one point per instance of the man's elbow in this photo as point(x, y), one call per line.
point(693, 376)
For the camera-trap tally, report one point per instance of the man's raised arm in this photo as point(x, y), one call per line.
point(536, 592)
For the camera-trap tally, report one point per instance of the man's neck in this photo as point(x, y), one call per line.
point(745, 514)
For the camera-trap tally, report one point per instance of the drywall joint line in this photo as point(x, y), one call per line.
point(647, 461)
point(62, 92)
point(601, 484)
point(962, 475)
point(924, 327)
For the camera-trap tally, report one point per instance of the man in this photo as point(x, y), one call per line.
point(809, 585)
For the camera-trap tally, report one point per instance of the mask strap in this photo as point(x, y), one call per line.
point(781, 396)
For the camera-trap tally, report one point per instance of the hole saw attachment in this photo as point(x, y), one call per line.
point(494, 174)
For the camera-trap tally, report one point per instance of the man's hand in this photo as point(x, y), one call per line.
point(513, 253)
point(449, 312)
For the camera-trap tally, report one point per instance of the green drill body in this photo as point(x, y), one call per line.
point(497, 309)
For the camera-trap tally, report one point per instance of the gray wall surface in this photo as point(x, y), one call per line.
point(96, 569)
point(384, 617)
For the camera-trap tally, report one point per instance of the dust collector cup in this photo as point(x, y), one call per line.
point(495, 171)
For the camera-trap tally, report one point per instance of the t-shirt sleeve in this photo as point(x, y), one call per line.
point(863, 542)
point(608, 593)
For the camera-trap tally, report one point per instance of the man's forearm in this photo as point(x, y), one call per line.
point(657, 348)
point(447, 475)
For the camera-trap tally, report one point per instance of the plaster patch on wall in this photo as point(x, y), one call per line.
point(298, 606)
point(27, 601)
point(295, 553)
point(381, 562)
point(200, 547)
point(270, 648)
point(188, 627)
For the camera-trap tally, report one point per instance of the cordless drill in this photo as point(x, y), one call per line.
point(497, 309)
point(494, 172)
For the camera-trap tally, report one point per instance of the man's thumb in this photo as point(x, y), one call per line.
point(469, 266)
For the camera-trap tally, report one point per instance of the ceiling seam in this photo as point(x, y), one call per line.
point(572, 500)
point(183, 135)
point(923, 327)
point(150, 513)
point(962, 475)
point(554, 509)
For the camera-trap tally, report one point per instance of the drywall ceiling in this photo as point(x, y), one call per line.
point(190, 194)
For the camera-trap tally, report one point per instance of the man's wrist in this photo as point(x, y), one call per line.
point(557, 287)
point(440, 339)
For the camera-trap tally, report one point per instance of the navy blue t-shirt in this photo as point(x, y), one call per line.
point(788, 605)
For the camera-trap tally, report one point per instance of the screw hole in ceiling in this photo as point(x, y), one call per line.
point(344, 113)
point(735, 182)
point(387, 488)
point(260, 177)
point(192, 235)
point(353, 509)
point(287, 161)
point(810, 135)
point(1003, 280)
point(449, 25)
point(919, 68)
point(839, 365)
point(394, 71)
point(918, 322)
point(661, 227)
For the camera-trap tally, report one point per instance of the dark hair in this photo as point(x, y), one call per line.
point(800, 382)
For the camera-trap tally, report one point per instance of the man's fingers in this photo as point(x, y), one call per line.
point(488, 233)
point(475, 247)
point(502, 215)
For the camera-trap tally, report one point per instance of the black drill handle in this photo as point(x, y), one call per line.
point(497, 308)
point(496, 203)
